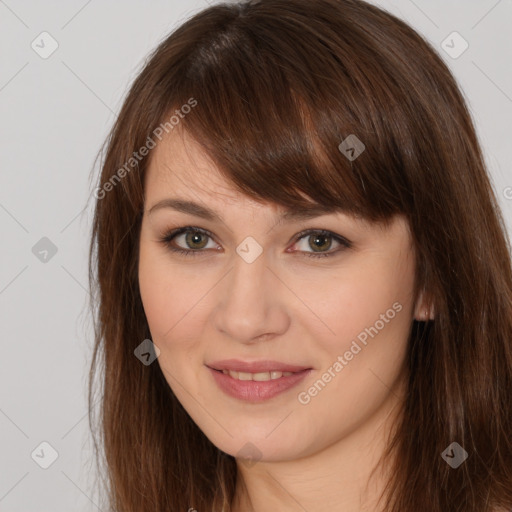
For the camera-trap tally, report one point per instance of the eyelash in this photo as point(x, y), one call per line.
point(169, 237)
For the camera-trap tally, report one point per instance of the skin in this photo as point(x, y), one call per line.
point(287, 307)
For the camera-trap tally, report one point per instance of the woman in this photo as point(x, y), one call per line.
point(304, 281)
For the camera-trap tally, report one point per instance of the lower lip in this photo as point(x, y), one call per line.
point(256, 391)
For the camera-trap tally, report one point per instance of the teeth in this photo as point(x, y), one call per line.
point(263, 376)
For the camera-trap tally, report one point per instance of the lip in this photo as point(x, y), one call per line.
point(256, 391)
point(236, 365)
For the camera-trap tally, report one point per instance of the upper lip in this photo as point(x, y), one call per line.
point(237, 365)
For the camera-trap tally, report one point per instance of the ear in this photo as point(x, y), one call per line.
point(424, 309)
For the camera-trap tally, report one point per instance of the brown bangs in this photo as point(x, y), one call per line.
point(274, 127)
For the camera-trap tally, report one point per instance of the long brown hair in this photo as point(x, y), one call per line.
point(274, 87)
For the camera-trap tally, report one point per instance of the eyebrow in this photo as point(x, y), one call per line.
point(291, 214)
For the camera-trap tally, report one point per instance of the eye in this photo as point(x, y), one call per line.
point(196, 239)
point(193, 237)
point(320, 239)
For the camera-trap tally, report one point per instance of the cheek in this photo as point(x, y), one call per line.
point(368, 312)
point(167, 295)
point(384, 320)
point(153, 285)
point(168, 298)
point(370, 301)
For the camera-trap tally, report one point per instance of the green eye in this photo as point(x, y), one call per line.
point(320, 241)
point(196, 239)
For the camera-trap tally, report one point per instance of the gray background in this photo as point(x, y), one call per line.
point(54, 114)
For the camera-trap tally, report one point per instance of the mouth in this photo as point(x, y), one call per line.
point(255, 367)
point(256, 381)
point(259, 377)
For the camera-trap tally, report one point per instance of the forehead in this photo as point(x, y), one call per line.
point(179, 164)
point(183, 177)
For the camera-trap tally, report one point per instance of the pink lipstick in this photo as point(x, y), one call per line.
point(258, 380)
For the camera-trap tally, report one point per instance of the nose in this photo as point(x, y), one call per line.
point(251, 303)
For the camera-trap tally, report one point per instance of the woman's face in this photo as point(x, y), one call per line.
point(335, 316)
